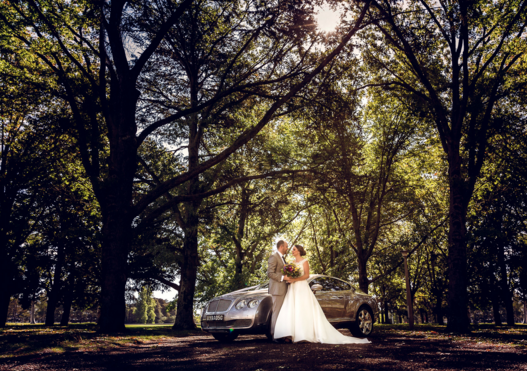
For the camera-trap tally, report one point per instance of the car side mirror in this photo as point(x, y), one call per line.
point(316, 287)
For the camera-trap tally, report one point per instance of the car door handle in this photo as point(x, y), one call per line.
point(337, 297)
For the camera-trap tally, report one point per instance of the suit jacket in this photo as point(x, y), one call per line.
point(274, 272)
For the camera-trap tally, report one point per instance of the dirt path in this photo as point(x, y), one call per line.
point(388, 351)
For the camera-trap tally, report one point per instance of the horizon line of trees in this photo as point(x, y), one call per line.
point(144, 309)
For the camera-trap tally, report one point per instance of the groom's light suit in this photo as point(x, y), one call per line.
point(277, 287)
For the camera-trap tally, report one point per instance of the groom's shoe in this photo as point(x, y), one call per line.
point(278, 341)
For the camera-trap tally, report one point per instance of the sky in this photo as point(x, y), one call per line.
point(169, 294)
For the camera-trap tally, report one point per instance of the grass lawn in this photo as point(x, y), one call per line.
point(25, 339)
point(490, 334)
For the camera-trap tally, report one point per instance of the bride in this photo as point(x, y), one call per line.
point(301, 317)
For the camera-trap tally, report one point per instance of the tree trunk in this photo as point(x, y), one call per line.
point(116, 232)
point(116, 241)
point(506, 294)
point(56, 287)
point(496, 308)
point(5, 276)
point(32, 313)
point(363, 274)
point(424, 315)
point(115, 198)
point(50, 309)
point(238, 238)
point(457, 250)
point(185, 303)
point(5, 297)
point(67, 310)
point(386, 310)
point(438, 310)
point(238, 274)
point(524, 311)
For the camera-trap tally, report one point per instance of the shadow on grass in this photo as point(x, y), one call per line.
point(482, 332)
point(26, 339)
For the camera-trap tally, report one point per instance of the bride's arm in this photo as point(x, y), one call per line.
point(306, 273)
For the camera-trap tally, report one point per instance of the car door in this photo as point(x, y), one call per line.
point(332, 298)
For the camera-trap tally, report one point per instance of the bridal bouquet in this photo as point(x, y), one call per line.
point(291, 270)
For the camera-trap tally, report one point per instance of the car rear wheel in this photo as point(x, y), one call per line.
point(226, 338)
point(363, 325)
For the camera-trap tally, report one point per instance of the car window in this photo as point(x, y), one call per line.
point(330, 284)
point(341, 285)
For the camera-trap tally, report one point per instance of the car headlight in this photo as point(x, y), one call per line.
point(241, 304)
point(252, 303)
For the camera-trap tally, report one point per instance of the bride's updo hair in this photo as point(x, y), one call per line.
point(301, 250)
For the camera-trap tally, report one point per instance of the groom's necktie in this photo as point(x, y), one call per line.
point(283, 259)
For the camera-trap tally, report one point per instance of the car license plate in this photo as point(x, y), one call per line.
point(215, 318)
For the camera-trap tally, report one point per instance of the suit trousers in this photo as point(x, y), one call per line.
point(278, 300)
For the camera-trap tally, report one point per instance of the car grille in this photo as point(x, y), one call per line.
point(227, 324)
point(223, 305)
point(219, 305)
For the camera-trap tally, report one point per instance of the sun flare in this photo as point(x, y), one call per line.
point(327, 18)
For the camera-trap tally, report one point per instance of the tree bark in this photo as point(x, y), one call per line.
point(386, 313)
point(116, 206)
point(238, 273)
point(495, 299)
point(363, 274)
point(116, 239)
point(185, 303)
point(238, 238)
point(5, 297)
point(56, 286)
point(5, 272)
point(67, 310)
point(32, 313)
point(457, 250)
point(496, 310)
point(506, 294)
point(5, 292)
point(50, 309)
point(438, 310)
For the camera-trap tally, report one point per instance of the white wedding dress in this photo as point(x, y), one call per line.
point(302, 318)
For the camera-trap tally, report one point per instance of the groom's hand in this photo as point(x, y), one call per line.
point(287, 279)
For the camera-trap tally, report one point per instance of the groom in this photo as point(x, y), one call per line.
point(277, 281)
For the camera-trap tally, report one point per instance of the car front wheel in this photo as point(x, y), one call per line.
point(268, 330)
point(226, 338)
point(363, 325)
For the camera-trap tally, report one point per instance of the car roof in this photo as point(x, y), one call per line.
point(313, 276)
point(310, 278)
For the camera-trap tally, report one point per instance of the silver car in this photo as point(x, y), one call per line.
point(248, 311)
